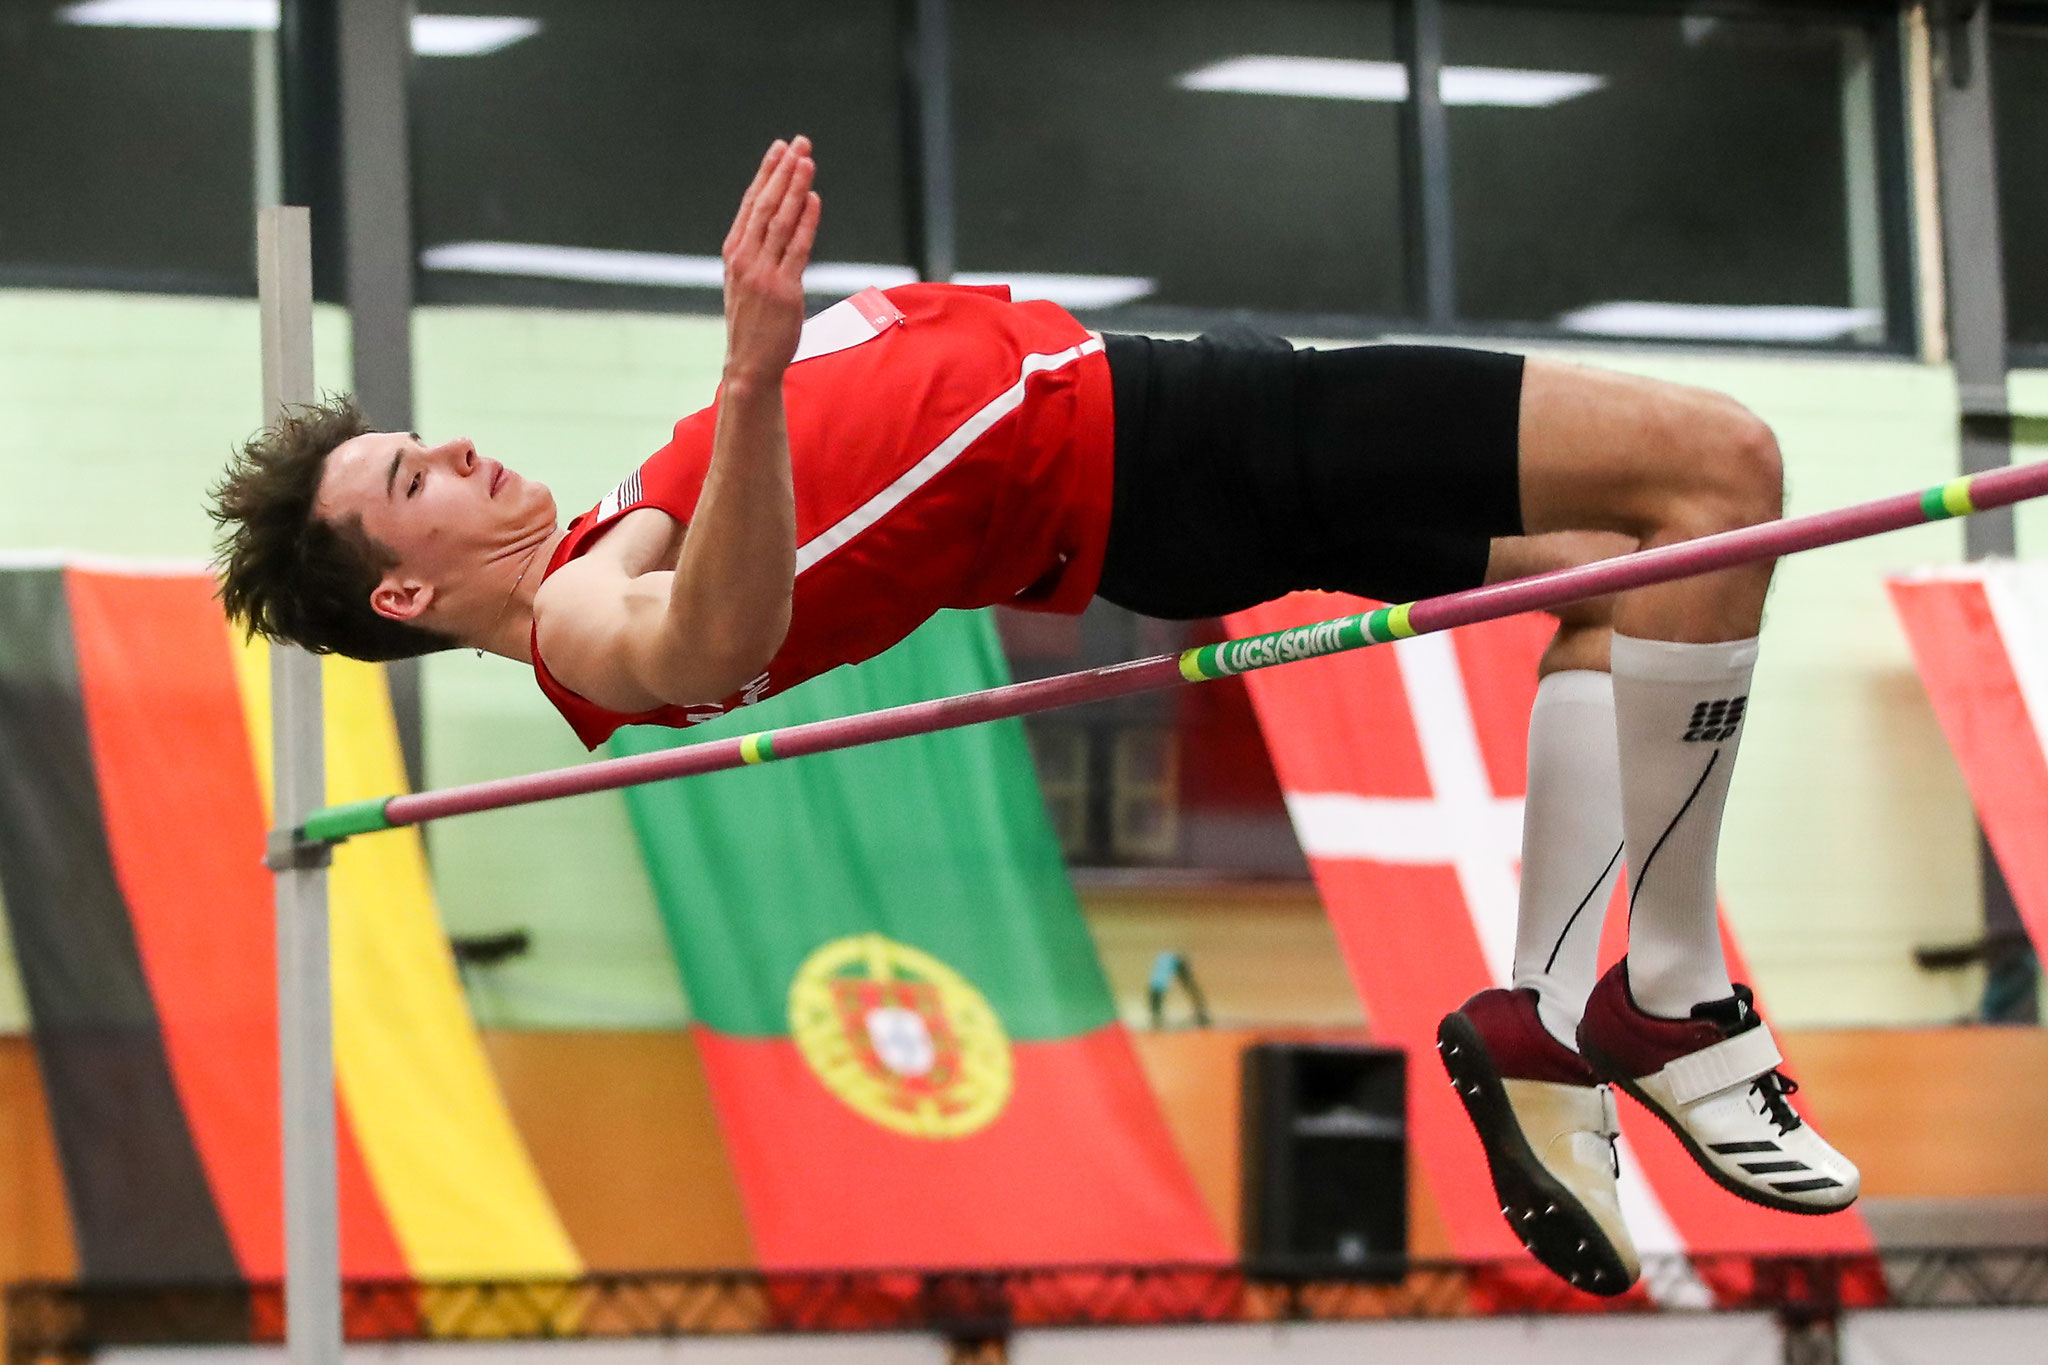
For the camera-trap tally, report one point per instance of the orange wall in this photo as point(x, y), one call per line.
point(621, 1127)
point(35, 1221)
point(1953, 1113)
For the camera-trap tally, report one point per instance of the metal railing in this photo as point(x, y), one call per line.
point(52, 1323)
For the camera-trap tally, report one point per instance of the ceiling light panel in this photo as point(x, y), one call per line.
point(1379, 82)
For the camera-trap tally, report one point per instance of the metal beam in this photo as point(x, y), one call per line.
point(1426, 165)
point(284, 274)
point(1972, 250)
point(1974, 270)
point(927, 104)
point(375, 55)
point(376, 186)
point(310, 134)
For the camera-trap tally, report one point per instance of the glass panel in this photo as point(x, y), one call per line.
point(125, 154)
point(633, 126)
point(1176, 781)
point(1202, 153)
point(2019, 90)
point(1667, 174)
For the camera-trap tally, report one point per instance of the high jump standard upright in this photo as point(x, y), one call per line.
point(305, 1016)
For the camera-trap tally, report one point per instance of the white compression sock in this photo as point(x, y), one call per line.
point(1678, 715)
point(1571, 845)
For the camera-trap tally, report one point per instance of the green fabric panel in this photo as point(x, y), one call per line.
point(938, 841)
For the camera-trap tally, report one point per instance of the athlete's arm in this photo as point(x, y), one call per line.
point(704, 631)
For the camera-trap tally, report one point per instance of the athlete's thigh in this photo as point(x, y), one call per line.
point(1601, 450)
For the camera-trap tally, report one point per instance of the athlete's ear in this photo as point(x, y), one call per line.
point(401, 599)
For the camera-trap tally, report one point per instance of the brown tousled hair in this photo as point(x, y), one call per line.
point(291, 575)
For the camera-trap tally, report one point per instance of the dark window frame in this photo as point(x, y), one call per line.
point(926, 126)
point(2009, 14)
point(1424, 157)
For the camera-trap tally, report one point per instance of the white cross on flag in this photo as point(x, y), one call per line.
point(1404, 769)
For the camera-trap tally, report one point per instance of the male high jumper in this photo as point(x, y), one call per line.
point(934, 446)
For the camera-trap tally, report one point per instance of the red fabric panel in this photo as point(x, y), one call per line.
point(1223, 761)
point(1344, 725)
point(185, 823)
point(1500, 674)
point(1964, 663)
point(1050, 1181)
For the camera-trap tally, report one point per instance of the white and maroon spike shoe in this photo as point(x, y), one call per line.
point(1713, 1080)
point(1548, 1127)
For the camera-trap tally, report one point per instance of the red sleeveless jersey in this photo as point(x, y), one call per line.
point(949, 448)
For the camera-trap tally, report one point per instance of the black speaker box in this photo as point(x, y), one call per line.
point(1325, 1141)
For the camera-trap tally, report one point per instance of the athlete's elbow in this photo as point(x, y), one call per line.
point(728, 658)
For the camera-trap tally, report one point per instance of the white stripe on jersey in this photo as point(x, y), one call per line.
point(948, 450)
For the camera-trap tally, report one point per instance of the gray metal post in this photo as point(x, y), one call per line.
point(1974, 260)
point(928, 143)
point(1972, 250)
point(1426, 160)
point(305, 1021)
point(375, 53)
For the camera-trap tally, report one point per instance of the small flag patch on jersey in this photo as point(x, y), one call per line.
point(620, 498)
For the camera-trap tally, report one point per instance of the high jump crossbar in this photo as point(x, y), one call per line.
point(1747, 545)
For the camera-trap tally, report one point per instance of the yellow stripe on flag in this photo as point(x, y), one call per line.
point(252, 674)
point(458, 1187)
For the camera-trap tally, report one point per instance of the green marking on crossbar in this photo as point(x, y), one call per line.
point(332, 824)
point(758, 747)
point(1389, 624)
point(1951, 499)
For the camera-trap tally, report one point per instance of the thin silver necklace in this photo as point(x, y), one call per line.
point(507, 603)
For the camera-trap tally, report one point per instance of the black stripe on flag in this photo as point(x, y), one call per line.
point(140, 1204)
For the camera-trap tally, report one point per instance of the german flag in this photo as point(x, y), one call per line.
point(133, 766)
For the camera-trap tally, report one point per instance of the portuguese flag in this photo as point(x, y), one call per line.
point(910, 1043)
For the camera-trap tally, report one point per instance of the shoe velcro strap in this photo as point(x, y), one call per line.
point(1731, 1061)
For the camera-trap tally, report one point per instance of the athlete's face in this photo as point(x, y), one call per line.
point(455, 520)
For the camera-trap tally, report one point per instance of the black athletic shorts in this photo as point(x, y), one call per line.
point(1246, 469)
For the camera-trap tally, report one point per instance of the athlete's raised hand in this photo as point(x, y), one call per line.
point(765, 255)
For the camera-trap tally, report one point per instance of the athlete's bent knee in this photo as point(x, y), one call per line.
point(1756, 468)
point(1735, 473)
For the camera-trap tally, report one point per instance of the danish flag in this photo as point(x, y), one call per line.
point(1404, 769)
point(1979, 634)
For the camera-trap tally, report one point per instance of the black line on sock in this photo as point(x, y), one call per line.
point(1584, 901)
point(1658, 847)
